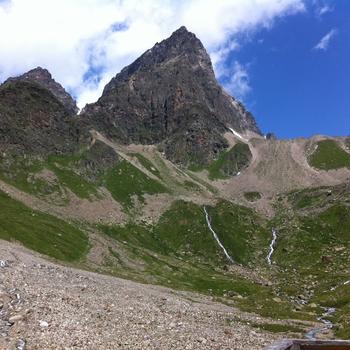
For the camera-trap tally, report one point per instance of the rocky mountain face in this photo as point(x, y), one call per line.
point(170, 96)
point(43, 77)
point(36, 115)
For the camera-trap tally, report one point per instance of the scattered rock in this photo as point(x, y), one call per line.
point(15, 318)
point(3, 263)
point(21, 344)
point(43, 324)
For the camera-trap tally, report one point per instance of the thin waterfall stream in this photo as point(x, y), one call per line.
point(229, 258)
point(272, 246)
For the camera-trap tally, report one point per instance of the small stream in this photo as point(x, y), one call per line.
point(311, 335)
point(272, 246)
point(229, 258)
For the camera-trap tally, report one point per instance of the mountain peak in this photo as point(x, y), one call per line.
point(44, 78)
point(182, 46)
point(170, 96)
point(182, 31)
point(38, 74)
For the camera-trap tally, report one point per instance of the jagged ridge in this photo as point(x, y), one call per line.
point(170, 96)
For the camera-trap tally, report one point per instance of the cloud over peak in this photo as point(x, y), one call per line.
point(84, 43)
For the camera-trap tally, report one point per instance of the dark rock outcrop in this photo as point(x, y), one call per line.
point(170, 96)
point(43, 77)
point(33, 120)
point(270, 136)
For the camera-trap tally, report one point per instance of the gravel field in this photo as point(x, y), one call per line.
point(49, 306)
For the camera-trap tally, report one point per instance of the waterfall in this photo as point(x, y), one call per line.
point(272, 246)
point(216, 237)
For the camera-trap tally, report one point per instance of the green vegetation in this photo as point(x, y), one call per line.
point(82, 174)
point(329, 155)
point(241, 231)
point(147, 164)
point(125, 181)
point(230, 163)
point(252, 196)
point(312, 250)
point(41, 232)
point(182, 231)
point(180, 252)
point(61, 166)
point(308, 241)
point(25, 175)
point(191, 185)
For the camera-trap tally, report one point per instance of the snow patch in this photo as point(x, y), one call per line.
point(234, 132)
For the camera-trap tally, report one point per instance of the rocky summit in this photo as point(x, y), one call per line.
point(170, 96)
point(36, 115)
point(43, 77)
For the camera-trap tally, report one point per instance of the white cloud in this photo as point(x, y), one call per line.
point(323, 44)
point(77, 38)
point(322, 7)
point(238, 84)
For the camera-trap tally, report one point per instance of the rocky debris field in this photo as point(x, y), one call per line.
point(48, 306)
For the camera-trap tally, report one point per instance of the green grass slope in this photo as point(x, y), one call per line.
point(312, 250)
point(329, 155)
point(125, 181)
point(241, 231)
point(231, 162)
point(180, 252)
point(40, 232)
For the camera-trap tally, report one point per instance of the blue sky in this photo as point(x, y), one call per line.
point(287, 60)
point(297, 89)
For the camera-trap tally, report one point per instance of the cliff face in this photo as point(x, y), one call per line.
point(33, 120)
point(170, 96)
point(43, 77)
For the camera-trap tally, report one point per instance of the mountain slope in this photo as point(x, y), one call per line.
point(33, 120)
point(43, 77)
point(118, 202)
point(170, 96)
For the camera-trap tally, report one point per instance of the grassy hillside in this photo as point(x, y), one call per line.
point(231, 162)
point(329, 155)
point(147, 164)
point(125, 181)
point(23, 174)
point(82, 173)
point(180, 252)
point(312, 250)
point(242, 231)
point(310, 261)
point(41, 232)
